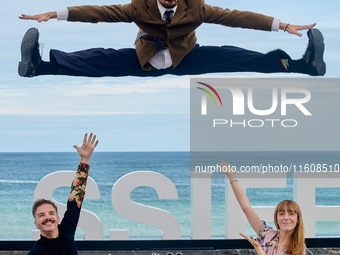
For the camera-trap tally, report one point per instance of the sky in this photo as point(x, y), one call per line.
point(51, 113)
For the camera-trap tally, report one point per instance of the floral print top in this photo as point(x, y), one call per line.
point(269, 238)
point(78, 186)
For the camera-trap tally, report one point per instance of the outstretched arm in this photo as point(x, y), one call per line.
point(255, 244)
point(40, 17)
point(294, 29)
point(77, 193)
point(88, 13)
point(253, 219)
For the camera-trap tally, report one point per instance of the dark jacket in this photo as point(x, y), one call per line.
point(179, 35)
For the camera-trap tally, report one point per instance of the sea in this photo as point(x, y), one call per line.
point(21, 172)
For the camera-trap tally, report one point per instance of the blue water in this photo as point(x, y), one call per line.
point(20, 173)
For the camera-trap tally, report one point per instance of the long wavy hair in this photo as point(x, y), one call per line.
point(295, 245)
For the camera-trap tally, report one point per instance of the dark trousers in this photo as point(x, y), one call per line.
point(100, 62)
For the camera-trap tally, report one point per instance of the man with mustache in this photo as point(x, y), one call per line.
point(55, 238)
point(166, 43)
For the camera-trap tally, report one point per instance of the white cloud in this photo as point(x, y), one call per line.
point(108, 86)
point(32, 112)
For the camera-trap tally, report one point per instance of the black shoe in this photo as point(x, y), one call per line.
point(30, 57)
point(314, 53)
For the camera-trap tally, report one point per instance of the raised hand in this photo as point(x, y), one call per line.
point(229, 171)
point(85, 151)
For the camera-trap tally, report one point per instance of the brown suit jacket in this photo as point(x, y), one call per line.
point(179, 35)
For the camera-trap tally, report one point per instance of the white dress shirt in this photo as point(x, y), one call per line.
point(162, 59)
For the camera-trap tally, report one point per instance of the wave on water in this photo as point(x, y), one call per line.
point(18, 181)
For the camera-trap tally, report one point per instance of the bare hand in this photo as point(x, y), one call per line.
point(229, 171)
point(85, 151)
point(255, 244)
point(40, 17)
point(294, 29)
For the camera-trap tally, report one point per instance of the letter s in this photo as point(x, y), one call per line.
point(141, 213)
point(88, 221)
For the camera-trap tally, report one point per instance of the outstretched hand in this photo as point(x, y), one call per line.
point(294, 29)
point(85, 151)
point(255, 244)
point(40, 17)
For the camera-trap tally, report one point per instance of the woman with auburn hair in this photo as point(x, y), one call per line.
point(289, 237)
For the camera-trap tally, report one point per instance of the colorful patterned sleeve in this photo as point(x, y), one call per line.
point(77, 193)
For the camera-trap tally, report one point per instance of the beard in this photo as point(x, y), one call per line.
point(169, 3)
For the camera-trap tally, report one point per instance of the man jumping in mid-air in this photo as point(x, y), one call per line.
point(166, 43)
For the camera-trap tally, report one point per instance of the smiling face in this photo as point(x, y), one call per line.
point(287, 217)
point(47, 220)
point(168, 3)
point(287, 220)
